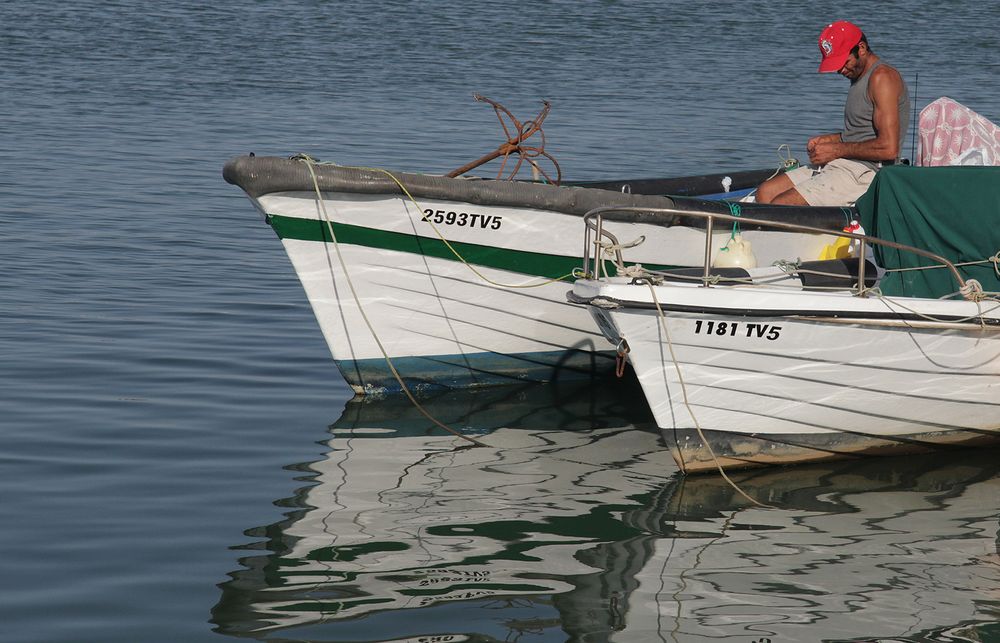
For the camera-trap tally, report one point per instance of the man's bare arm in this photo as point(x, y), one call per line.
point(885, 88)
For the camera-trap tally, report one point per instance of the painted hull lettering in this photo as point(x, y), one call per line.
point(462, 219)
point(732, 329)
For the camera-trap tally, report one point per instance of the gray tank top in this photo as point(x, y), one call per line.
point(859, 111)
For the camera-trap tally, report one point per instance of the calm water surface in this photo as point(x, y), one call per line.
point(178, 457)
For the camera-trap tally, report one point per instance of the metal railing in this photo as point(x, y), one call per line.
point(594, 222)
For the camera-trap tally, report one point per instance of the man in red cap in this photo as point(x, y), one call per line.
point(876, 116)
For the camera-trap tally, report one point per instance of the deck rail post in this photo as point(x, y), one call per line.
point(708, 251)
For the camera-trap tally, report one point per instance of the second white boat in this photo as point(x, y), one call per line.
point(796, 363)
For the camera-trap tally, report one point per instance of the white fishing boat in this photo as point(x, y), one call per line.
point(431, 281)
point(817, 360)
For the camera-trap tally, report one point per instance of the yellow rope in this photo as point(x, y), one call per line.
point(458, 255)
point(364, 316)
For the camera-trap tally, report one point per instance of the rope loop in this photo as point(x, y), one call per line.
point(972, 290)
point(635, 270)
point(611, 248)
point(788, 162)
point(787, 267)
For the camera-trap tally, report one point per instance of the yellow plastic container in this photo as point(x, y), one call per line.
point(839, 249)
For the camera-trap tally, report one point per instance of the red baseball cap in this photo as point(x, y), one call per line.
point(836, 43)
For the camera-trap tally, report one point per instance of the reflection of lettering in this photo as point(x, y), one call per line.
point(458, 596)
point(443, 573)
point(455, 577)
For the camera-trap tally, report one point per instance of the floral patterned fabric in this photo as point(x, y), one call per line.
point(953, 134)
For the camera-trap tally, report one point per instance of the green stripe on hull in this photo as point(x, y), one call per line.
point(522, 261)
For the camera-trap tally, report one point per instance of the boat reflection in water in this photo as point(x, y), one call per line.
point(572, 524)
point(900, 549)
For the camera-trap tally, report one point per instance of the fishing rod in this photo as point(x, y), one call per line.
point(913, 121)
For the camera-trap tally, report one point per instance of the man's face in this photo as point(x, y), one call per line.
point(854, 66)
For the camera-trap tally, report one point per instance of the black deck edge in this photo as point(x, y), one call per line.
point(260, 175)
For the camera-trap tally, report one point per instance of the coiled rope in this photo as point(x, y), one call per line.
point(786, 162)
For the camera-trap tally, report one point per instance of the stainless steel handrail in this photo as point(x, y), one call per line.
point(600, 233)
point(670, 213)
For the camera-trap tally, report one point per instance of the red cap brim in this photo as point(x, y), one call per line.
point(833, 62)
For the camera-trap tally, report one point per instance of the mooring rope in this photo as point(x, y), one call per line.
point(995, 260)
point(687, 403)
point(310, 161)
point(364, 316)
point(790, 270)
point(979, 315)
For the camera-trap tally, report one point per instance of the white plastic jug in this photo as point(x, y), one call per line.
point(737, 253)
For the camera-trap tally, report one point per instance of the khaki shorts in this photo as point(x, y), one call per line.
point(839, 182)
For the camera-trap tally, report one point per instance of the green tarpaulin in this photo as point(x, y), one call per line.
point(950, 211)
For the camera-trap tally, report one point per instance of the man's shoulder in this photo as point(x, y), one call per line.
point(886, 71)
point(887, 78)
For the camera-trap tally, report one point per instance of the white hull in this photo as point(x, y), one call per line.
point(462, 282)
point(436, 312)
point(764, 376)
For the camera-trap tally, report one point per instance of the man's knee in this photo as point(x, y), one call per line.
point(771, 188)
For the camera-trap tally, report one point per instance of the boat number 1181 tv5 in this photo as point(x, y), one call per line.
point(736, 329)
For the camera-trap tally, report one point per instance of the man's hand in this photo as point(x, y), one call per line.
point(822, 152)
point(820, 148)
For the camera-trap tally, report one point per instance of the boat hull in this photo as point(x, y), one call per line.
point(458, 283)
point(439, 324)
point(775, 378)
point(708, 450)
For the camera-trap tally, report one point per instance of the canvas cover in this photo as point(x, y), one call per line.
point(952, 211)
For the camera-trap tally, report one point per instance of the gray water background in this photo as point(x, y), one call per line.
point(159, 365)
